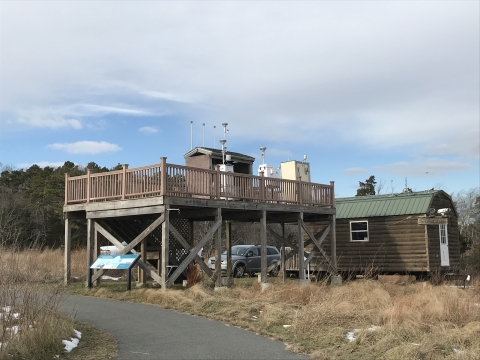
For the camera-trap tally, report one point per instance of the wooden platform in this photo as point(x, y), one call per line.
point(160, 203)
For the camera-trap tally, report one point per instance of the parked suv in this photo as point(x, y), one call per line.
point(246, 259)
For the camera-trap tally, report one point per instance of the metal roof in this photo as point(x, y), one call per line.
point(218, 152)
point(385, 205)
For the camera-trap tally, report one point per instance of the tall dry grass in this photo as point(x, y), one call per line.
point(31, 326)
point(412, 320)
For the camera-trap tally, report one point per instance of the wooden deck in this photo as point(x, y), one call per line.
point(157, 206)
point(186, 182)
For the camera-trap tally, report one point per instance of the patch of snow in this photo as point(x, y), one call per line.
point(106, 277)
point(351, 334)
point(254, 317)
point(73, 342)
point(16, 315)
point(456, 351)
point(287, 326)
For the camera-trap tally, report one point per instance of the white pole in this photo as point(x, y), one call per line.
point(203, 135)
point(214, 137)
point(191, 135)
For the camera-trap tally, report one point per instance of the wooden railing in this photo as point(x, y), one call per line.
point(183, 181)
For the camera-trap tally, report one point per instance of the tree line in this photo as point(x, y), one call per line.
point(31, 205)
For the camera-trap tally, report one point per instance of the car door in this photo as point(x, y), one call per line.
point(253, 262)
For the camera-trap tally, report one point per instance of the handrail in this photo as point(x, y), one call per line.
point(182, 181)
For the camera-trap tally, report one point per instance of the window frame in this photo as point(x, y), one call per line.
point(357, 231)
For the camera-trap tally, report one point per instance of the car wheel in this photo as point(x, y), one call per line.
point(274, 272)
point(239, 271)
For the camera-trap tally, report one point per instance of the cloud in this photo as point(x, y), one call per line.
point(148, 130)
point(41, 164)
point(424, 167)
point(354, 171)
point(170, 97)
point(86, 147)
point(52, 123)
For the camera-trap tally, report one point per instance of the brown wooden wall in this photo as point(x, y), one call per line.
point(396, 244)
point(199, 161)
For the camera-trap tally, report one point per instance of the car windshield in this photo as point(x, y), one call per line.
point(238, 250)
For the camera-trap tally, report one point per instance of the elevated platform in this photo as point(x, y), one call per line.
point(154, 208)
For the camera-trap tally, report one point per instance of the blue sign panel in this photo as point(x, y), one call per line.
point(121, 262)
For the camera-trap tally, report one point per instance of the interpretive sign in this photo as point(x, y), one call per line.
point(115, 262)
point(118, 262)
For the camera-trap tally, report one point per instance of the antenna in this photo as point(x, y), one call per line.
point(191, 135)
point(203, 135)
point(263, 148)
point(406, 186)
point(225, 131)
point(214, 136)
point(223, 141)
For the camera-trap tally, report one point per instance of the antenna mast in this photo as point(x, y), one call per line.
point(203, 135)
point(224, 148)
point(214, 136)
point(191, 135)
point(262, 149)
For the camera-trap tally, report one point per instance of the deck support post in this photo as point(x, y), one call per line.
point(96, 253)
point(301, 251)
point(263, 247)
point(284, 269)
point(165, 244)
point(333, 243)
point(228, 240)
point(68, 247)
point(142, 279)
point(218, 250)
point(90, 245)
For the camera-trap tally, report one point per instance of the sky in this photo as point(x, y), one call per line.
point(363, 88)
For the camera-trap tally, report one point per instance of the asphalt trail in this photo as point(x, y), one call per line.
point(150, 332)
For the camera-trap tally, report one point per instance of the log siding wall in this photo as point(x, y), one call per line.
point(396, 243)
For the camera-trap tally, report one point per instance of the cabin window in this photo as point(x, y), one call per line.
point(358, 230)
point(443, 234)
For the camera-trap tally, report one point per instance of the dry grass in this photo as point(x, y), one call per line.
point(414, 320)
point(31, 326)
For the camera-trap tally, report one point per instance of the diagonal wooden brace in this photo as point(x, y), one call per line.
point(287, 243)
point(143, 234)
point(122, 248)
point(194, 252)
point(318, 243)
point(188, 247)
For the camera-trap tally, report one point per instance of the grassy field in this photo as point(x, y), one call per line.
point(389, 320)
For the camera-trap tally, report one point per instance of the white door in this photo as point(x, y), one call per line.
point(444, 257)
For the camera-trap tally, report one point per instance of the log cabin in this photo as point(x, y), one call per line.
point(406, 233)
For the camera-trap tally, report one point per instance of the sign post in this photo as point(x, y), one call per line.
point(116, 262)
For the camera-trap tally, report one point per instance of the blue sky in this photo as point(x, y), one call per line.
point(389, 89)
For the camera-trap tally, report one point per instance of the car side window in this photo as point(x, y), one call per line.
point(271, 251)
point(254, 251)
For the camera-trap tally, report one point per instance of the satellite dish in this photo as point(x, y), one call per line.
point(431, 211)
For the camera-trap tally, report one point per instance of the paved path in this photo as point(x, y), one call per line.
point(149, 332)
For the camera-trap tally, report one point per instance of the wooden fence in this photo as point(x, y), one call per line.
point(183, 181)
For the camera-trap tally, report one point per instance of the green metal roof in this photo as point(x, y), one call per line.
point(384, 205)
